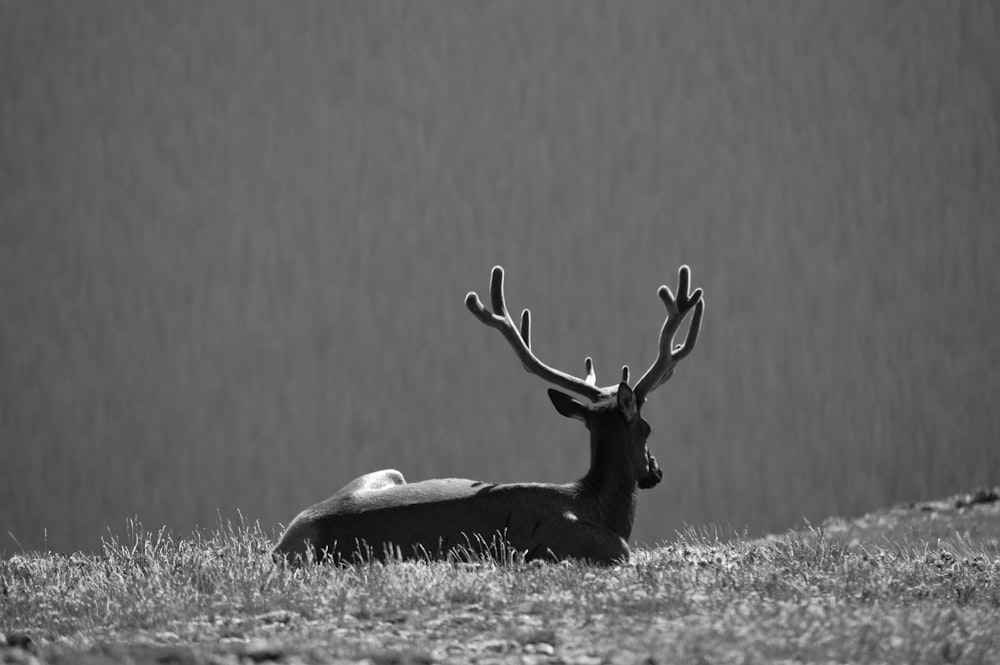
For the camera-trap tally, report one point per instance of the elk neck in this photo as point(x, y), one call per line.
point(608, 491)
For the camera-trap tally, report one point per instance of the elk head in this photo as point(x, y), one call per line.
point(614, 419)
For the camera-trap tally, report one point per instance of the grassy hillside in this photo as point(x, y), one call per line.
point(922, 587)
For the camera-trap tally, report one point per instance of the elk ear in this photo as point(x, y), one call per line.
point(568, 406)
point(627, 402)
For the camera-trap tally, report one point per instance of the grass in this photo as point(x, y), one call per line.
point(827, 594)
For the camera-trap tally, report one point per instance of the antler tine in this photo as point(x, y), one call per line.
point(520, 340)
point(681, 351)
point(668, 356)
point(687, 347)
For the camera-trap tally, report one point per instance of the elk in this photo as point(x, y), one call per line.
point(379, 515)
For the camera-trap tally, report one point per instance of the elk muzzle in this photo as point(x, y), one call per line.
point(652, 475)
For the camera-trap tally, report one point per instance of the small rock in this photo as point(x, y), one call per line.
point(495, 646)
point(277, 616)
point(21, 641)
point(260, 651)
point(401, 658)
point(540, 636)
point(545, 649)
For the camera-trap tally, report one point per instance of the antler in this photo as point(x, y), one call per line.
point(520, 341)
point(668, 356)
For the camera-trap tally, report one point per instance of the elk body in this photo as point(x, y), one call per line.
point(380, 515)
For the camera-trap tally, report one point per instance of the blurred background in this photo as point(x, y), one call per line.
point(235, 239)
